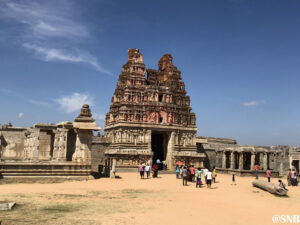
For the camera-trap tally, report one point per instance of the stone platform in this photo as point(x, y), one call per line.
point(45, 169)
point(262, 173)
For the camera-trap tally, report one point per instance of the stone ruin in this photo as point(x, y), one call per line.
point(63, 149)
point(150, 118)
point(228, 157)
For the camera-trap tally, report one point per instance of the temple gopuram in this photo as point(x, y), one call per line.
point(150, 116)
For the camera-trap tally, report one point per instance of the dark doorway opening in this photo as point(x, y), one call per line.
point(159, 144)
point(236, 160)
point(160, 98)
point(228, 160)
point(160, 120)
point(295, 163)
point(247, 161)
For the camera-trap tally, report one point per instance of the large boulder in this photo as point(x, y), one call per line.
point(270, 187)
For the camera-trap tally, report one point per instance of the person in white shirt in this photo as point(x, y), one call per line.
point(208, 179)
point(205, 174)
point(148, 170)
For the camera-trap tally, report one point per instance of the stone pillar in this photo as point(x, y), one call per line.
point(261, 160)
point(170, 150)
point(265, 161)
point(60, 144)
point(241, 161)
point(83, 146)
point(252, 160)
point(232, 162)
point(113, 168)
point(224, 160)
point(31, 144)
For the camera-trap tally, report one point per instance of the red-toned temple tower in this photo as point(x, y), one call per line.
point(150, 116)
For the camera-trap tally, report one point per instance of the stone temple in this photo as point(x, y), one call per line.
point(150, 116)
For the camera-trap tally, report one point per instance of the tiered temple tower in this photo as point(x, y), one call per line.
point(150, 116)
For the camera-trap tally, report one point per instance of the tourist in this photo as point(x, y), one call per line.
point(148, 170)
point(256, 168)
point(293, 177)
point(296, 179)
point(180, 171)
point(214, 174)
point(199, 172)
point(184, 176)
point(158, 162)
point(281, 184)
point(177, 171)
point(208, 178)
point(233, 179)
point(141, 170)
point(189, 177)
point(155, 170)
point(289, 178)
point(164, 165)
point(268, 174)
point(192, 169)
point(205, 174)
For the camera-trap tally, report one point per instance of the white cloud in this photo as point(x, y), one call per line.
point(44, 20)
point(51, 54)
point(254, 103)
point(51, 29)
point(74, 102)
point(20, 115)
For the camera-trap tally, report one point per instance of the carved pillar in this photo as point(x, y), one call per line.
point(232, 162)
point(252, 160)
point(113, 168)
point(265, 161)
point(60, 144)
point(83, 146)
point(241, 161)
point(170, 150)
point(31, 145)
point(224, 160)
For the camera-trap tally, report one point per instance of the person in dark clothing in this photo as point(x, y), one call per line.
point(184, 176)
point(155, 170)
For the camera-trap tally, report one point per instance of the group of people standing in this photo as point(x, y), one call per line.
point(142, 168)
point(268, 172)
point(292, 178)
point(189, 173)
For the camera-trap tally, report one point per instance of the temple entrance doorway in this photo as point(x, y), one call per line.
point(295, 164)
point(159, 146)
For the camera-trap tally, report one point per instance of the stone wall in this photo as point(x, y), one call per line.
point(226, 155)
point(99, 146)
point(12, 143)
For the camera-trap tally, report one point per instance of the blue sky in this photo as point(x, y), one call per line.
point(240, 60)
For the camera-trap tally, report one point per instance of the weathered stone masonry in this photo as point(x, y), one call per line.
point(63, 149)
point(150, 116)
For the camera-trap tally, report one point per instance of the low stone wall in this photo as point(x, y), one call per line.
point(274, 174)
point(44, 169)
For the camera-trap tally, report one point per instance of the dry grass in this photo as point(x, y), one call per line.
point(64, 208)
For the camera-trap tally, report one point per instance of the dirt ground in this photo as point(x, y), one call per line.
point(130, 200)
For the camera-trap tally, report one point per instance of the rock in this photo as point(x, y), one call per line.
point(7, 206)
point(270, 187)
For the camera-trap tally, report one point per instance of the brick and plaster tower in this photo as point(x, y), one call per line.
point(150, 116)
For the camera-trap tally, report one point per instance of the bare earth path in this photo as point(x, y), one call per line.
point(131, 200)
